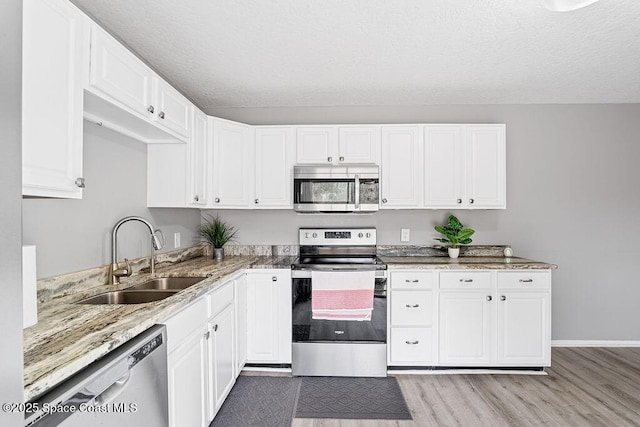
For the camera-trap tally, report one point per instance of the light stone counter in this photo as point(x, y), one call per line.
point(463, 263)
point(69, 336)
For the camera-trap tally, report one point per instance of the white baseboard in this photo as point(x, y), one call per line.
point(595, 343)
point(462, 372)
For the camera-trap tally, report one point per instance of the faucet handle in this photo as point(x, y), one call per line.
point(122, 272)
point(156, 242)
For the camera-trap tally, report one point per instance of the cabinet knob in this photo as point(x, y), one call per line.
point(412, 342)
point(412, 306)
point(329, 159)
point(80, 182)
point(151, 109)
point(215, 328)
point(161, 114)
point(384, 200)
point(503, 298)
point(489, 298)
point(341, 159)
point(217, 199)
point(196, 198)
point(274, 279)
point(459, 201)
point(207, 335)
point(471, 201)
point(256, 201)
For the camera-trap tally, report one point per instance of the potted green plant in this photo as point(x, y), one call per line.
point(455, 235)
point(217, 233)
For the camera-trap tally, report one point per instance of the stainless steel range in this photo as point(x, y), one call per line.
point(339, 304)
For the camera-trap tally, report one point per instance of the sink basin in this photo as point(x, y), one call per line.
point(128, 297)
point(169, 283)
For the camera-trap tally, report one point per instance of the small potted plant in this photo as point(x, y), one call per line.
point(455, 234)
point(217, 233)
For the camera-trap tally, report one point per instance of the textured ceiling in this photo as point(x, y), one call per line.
point(244, 53)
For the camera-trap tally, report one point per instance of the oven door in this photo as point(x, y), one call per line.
point(308, 330)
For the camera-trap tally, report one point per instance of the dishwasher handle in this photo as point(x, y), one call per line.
point(114, 390)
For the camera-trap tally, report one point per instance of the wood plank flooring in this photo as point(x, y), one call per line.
point(584, 387)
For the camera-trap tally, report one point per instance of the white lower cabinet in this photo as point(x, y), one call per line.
point(269, 316)
point(241, 321)
point(221, 358)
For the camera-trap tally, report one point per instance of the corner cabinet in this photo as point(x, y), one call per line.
point(465, 167)
point(55, 47)
point(269, 316)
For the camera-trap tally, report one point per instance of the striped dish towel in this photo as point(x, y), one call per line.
point(342, 295)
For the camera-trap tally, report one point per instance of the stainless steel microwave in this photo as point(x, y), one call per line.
point(344, 188)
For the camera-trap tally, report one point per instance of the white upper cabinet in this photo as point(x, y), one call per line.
point(337, 144)
point(465, 166)
point(486, 166)
point(232, 164)
point(55, 45)
point(274, 158)
point(401, 167)
point(199, 161)
point(174, 110)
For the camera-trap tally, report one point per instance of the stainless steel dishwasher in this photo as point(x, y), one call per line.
point(127, 387)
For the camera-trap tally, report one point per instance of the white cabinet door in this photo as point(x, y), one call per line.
point(187, 378)
point(221, 358)
point(269, 317)
point(118, 74)
point(485, 166)
point(240, 303)
point(465, 337)
point(401, 167)
point(316, 144)
point(173, 109)
point(199, 161)
point(524, 329)
point(443, 148)
point(359, 144)
point(274, 158)
point(410, 346)
point(232, 164)
point(55, 42)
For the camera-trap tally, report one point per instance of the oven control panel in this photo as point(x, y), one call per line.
point(337, 236)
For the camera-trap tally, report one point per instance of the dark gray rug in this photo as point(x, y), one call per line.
point(259, 401)
point(351, 398)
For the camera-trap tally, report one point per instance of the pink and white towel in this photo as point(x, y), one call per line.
point(344, 295)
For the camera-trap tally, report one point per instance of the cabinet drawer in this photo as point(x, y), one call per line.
point(411, 346)
point(523, 280)
point(220, 298)
point(412, 280)
point(183, 323)
point(465, 280)
point(411, 308)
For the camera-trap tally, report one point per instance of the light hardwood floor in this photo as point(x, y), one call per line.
point(584, 387)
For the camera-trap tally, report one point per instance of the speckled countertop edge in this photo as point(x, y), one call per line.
point(463, 263)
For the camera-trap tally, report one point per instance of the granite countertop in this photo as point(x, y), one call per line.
point(69, 336)
point(463, 263)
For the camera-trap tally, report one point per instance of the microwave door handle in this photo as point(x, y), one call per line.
point(357, 192)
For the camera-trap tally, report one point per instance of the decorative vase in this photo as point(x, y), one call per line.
point(218, 253)
point(454, 252)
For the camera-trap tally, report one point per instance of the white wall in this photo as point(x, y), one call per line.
point(572, 200)
point(10, 194)
point(72, 235)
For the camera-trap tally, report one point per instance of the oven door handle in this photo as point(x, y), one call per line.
point(306, 274)
point(357, 195)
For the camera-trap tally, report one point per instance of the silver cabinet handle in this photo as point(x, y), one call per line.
point(466, 280)
point(329, 159)
point(161, 114)
point(80, 182)
point(459, 201)
point(384, 200)
point(503, 298)
point(526, 280)
point(489, 298)
point(215, 328)
point(256, 201)
point(412, 306)
point(274, 279)
point(412, 342)
point(341, 159)
point(207, 335)
point(217, 199)
point(196, 198)
point(151, 109)
point(411, 281)
point(357, 191)
point(471, 201)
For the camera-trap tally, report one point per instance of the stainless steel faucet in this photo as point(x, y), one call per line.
point(116, 271)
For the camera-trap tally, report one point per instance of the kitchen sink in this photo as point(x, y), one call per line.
point(168, 283)
point(128, 297)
